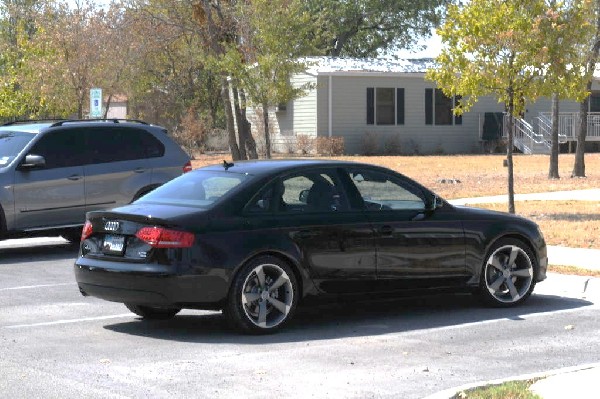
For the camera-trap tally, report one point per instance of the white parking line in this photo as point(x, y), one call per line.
point(29, 287)
point(53, 323)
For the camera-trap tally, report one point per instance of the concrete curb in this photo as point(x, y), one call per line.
point(449, 393)
point(32, 242)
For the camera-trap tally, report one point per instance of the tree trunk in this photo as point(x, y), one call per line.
point(250, 143)
point(265, 108)
point(229, 122)
point(509, 153)
point(239, 122)
point(107, 105)
point(579, 165)
point(553, 170)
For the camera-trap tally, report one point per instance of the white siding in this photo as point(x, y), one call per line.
point(349, 116)
point(298, 117)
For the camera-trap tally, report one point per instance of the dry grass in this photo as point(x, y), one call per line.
point(567, 223)
point(479, 175)
point(573, 270)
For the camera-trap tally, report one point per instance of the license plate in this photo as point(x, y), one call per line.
point(113, 244)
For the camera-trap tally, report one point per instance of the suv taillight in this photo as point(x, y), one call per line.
point(187, 167)
point(159, 237)
point(87, 230)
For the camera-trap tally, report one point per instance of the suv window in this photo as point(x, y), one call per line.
point(61, 149)
point(11, 144)
point(121, 144)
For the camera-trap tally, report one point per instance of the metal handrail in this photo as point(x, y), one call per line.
point(524, 136)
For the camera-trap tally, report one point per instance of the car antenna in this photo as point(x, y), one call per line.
point(227, 165)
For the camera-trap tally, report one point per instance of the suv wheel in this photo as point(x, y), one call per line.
point(72, 235)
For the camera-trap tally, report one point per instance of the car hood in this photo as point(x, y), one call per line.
point(472, 213)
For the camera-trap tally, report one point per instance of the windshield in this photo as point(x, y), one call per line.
point(201, 188)
point(11, 144)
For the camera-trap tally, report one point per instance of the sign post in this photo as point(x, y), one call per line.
point(95, 103)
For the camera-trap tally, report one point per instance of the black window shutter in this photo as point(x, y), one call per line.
point(399, 106)
point(457, 118)
point(429, 106)
point(370, 106)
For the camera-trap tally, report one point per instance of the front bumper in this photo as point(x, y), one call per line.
point(148, 284)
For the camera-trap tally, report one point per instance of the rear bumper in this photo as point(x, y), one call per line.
point(147, 284)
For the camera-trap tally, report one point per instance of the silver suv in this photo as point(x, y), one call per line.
point(52, 173)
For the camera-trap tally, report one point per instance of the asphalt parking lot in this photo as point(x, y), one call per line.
point(56, 343)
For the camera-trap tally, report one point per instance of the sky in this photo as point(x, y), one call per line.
point(433, 46)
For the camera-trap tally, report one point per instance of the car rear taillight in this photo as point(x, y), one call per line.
point(159, 237)
point(87, 230)
point(187, 167)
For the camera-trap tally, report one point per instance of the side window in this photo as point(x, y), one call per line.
point(315, 191)
point(122, 144)
point(263, 201)
point(61, 149)
point(381, 191)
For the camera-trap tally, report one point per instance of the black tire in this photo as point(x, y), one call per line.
point(263, 296)
point(72, 235)
point(508, 274)
point(152, 312)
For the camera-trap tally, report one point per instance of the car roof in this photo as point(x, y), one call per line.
point(26, 127)
point(270, 166)
point(36, 126)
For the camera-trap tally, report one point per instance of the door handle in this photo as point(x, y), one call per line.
point(74, 177)
point(386, 230)
point(139, 170)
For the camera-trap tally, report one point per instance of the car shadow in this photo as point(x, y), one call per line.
point(342, 320)
point(51, 251)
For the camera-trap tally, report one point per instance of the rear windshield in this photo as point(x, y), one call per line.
point(11, 144)
point(201, 188)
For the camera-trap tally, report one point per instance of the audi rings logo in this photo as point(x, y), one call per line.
point(111, 226)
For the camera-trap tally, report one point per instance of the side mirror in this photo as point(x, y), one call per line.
point(436, 202)
point(303, 197)
point(32, 161)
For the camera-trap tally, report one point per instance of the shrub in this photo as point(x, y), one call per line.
point(305, 144)
point(370, 143)
point(290, 145)
point(192, 131)
point(413, 147)
point(330, 146)
point(392, 145)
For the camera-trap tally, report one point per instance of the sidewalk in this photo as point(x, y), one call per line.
point(577, 195)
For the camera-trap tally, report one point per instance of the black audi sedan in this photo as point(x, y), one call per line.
point(256, 238)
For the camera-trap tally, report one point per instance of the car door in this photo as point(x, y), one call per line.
point(416, 246)
point(51, 195)
point(335, 242)
point(117, 167)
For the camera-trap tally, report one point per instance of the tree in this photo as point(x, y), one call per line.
point(590, 66)
point(364, 28)
point(274, 34)
point(560, 33)
point(489, 51)
point(17, 27)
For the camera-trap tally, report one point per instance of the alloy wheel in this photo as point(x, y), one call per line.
point(267, 296)
point(508, 274)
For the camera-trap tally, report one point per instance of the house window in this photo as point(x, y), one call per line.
point(438, 108)
point(385, 106)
